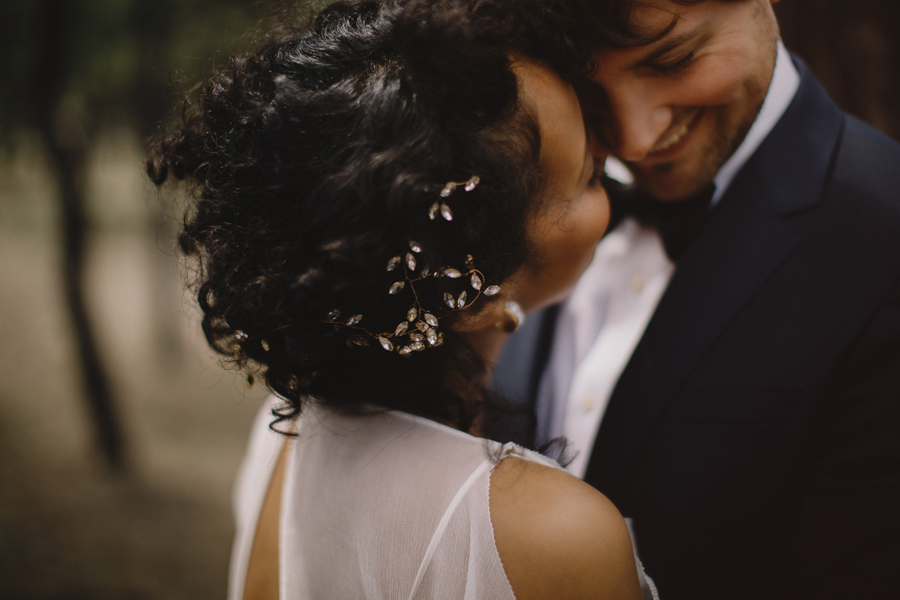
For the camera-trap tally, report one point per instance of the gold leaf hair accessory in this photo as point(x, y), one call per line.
point(440, 207)
point(420, 329)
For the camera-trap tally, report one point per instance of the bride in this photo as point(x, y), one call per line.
point(376, 199)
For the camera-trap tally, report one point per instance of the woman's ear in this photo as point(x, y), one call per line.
point(501, 313)
point(488, 313)
point(488, 327)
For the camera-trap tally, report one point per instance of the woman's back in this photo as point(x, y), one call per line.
point(382, 505)
point(376, 506)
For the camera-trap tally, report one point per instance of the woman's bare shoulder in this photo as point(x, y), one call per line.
point(558, 537)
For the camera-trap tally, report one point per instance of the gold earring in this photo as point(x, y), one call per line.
point(514, 317)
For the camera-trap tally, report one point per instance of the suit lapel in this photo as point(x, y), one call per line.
point(745, 239)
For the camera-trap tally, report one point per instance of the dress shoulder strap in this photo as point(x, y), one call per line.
point(445, 521)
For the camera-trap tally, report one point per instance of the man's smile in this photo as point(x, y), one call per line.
point(674, 135)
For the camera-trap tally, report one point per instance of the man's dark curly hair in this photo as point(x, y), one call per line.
point(314, 161)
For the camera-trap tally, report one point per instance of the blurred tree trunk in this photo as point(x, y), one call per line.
point(67, 150)
point(152, 22)
point(854, 50)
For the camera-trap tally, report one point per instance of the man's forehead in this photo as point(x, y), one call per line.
point(665, 25)
point(633, 23)
point(652, 17)
point(666, 20)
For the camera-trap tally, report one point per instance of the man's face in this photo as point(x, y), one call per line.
point(674, 111)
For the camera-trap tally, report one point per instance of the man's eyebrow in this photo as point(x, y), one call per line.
point(667, 45)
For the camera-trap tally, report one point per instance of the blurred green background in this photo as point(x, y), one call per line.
point(119, 432)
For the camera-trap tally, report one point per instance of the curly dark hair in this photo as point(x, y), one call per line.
point(315, 160)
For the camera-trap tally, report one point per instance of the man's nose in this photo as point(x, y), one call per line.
point(637, 124)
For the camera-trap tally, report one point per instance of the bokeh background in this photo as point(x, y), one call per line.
point(120, 433)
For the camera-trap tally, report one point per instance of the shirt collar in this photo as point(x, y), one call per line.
point(785, 81)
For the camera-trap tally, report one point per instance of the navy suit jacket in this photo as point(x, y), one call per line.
point(754, 436)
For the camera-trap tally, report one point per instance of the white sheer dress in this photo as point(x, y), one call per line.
point(383, 506)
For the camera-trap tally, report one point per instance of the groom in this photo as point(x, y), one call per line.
point(728, 369)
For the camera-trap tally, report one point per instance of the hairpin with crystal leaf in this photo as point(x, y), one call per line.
point(420, 329)
point(441, 207)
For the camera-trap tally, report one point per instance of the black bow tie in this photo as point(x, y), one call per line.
point(677, 222)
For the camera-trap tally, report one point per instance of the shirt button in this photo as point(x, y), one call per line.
point(636, 284)
point(587, 403)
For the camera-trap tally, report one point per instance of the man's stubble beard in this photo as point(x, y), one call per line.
point(714, 155)
point(720, 148)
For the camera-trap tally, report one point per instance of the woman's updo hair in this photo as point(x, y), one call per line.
point(315, 161)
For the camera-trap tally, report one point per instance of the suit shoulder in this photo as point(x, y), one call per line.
point(863, 132)
point(867, 170)
point(557, 536)
point(866, 157)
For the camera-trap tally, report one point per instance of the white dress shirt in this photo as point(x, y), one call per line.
point(601, 323)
